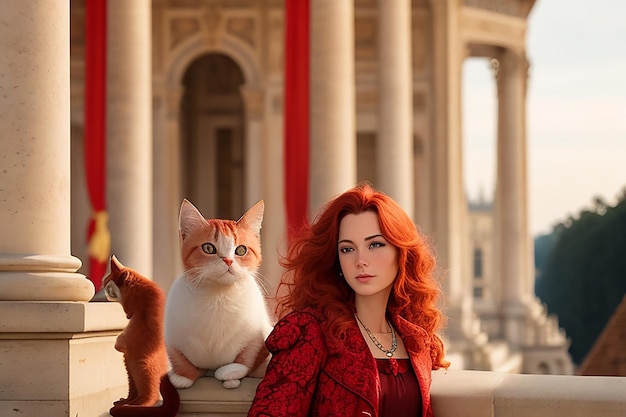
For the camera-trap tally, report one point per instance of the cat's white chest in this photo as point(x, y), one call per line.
point(211, 326)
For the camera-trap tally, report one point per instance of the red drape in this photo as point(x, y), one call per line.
point(95, 136)
point(296, 113)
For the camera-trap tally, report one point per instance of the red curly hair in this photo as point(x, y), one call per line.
point(312, 269)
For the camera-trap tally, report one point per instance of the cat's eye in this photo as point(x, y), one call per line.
point(241, 250)
point(209, 248)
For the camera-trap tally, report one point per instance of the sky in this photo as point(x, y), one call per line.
point(576, 111)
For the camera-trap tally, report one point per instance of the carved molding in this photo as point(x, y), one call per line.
point(182, 28)
point(212, 23)
point(508, 7)
point(243, 28)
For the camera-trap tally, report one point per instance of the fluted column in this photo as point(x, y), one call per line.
point(35, 260)
point(512, 236)
point(394, 145)
point(129, 132)
point(332, 140)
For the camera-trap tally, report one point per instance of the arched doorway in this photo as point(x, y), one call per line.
point(212, 136)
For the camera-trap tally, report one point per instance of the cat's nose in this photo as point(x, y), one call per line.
point(227, 261)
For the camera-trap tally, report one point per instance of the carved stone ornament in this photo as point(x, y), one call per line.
point(212, 20)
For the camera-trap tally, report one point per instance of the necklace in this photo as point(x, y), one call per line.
point(394, 342)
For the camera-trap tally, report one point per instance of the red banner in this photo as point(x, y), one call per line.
point(98, 236)
point(296, 113)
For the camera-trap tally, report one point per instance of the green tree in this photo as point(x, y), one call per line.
point(583, 272)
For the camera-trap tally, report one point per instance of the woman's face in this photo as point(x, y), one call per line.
point(369, 263)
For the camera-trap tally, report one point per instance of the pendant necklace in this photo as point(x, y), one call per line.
point(394, 342)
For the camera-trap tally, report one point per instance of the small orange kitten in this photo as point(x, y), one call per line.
point(216, 318)
point(142, 344)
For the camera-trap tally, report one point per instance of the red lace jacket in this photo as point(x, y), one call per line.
point(305, 377)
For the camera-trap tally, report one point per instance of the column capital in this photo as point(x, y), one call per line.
point(512, 60)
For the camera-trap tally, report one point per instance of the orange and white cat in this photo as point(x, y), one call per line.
point(216, 318)
point(142, 344)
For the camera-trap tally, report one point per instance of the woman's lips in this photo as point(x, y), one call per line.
point(364, 277)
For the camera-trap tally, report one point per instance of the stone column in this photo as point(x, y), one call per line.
point(512, 236)
point(166, 190)
point(394, 145)
point(56, 350)
point(332, 89)
point(274, 228)
point(447, 200)
point(253, 148)
point(35, 260)
point(129, 132)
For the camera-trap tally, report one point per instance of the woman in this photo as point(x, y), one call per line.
point(358, 330)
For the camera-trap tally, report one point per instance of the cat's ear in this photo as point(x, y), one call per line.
point(189, 219)
point(253, 218)
point(116, 266)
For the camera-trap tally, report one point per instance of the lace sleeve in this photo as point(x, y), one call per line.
point(298, 351)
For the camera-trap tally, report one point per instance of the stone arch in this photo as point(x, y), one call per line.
point(212, 122)
point(196, 46)
point(180, 60)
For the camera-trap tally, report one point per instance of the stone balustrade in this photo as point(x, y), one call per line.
point(457, 394)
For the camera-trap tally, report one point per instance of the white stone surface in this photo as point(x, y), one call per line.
point(61, 360)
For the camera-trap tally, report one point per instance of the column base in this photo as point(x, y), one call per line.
point(58, 359)
point(42, 278)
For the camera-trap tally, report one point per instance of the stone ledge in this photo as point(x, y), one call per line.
point(60, 317)
point(455, 393)
point(487, 393)
point(207, 397)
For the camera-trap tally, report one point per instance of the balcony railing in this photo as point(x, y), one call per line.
point(458, 394)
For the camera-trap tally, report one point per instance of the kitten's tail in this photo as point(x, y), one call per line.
point(169, 408)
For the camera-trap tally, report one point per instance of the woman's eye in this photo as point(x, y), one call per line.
point(241, 250)
point(345, 250)
point(209, 248)
point(377, 245)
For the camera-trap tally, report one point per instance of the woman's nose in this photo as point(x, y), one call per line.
point(360, 262)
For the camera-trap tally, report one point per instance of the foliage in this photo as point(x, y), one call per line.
point(582, 275)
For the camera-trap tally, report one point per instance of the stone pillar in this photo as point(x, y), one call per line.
point(56, 350)
point(512, 235)
point(448, 199)
point(253, 148)
point(35, 260)
point(448, 204)
point(129, 132)
point(274, 239)
point(394, 145)
point(167, 183)
point(332, 89)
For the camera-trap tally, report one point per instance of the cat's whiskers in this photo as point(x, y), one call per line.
point(195, 277)
point(261, 282)
point(214, 275)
